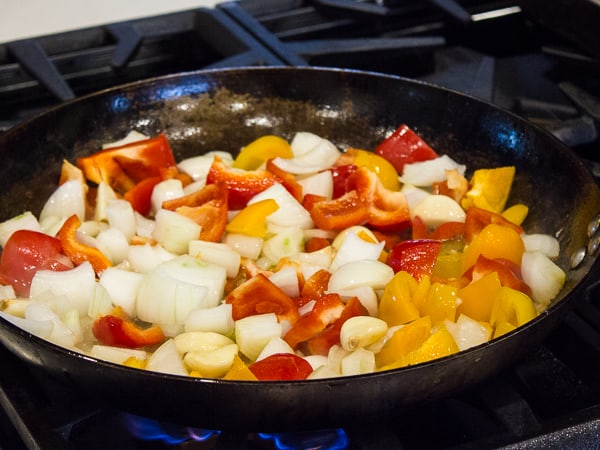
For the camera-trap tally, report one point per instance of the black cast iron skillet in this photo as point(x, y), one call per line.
point(223, 110)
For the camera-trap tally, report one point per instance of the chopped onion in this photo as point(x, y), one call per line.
point(414, 195)
point(355, 229)
point(247, 246)
point(320, 183)
point(290, 213)
point(320, 258)
point(365, 294)
point(61, 334)
point(174, 231)
point(425, 173)
point(286, 244)
point(166, 359)
point(165, 190)
point(274, 346)
point(113, 243)
point(25, 221)
point(39, 328)
point(358, 362)
point(360, 273)
point(145, 258)
point(76, 285)
point(101, 303)
point(132, 136)
point(316, 361)
point(117, 355)
point(252, 333)
point(122, 286)
point(286, 279)
point(143, 226)
point(435, 210)
point(175, 288)
point(323, 372)
point(468, 332)
point(543, 276)
point(217, 319)
point(544, 243)
point(216, 253)
point(120, 215)
point(197, 167)
point(66, 200)
point(104, 195)
point(354, 248)
point(312, 154)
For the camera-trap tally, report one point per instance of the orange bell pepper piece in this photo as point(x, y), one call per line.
point(78, 252)
point(494, 242)
point(406, 339)
point(396, 306)
point(118, 330)
point(477, 298)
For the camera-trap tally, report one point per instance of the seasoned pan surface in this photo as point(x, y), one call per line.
point(225, 109)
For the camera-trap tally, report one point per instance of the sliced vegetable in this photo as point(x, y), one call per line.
point(118, 330)
point(281, 366)
point(404, 146)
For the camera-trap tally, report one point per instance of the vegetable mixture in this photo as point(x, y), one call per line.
point(292, 260)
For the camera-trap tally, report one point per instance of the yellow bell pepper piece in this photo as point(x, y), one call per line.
point(494, 242)
point(239, 371)
point(516, 213)
point(406, 339)
point(386, 172)
point(477, 298)
point(253, 155)
point(134, 362)
point(513, 307)
point(440, 303)
point(439, 344)
point(396, 306)
point(503, 328)
point(490, 188)
point(251, 220)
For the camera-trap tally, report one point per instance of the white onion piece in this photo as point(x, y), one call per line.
point(7, 292)
point(144, 226)
point(414, 195)
point(306, 308)
point(425, 173)
point(290, 213)
point(166, 359)
point(543, 276)
point(217, 319)
point(100, 303)
point(323, 372)
point(355, 229)
point(319, 258)
point(39, 328)
point(174, 231)
point(435, 210)
point(468, 332)
point(52, 224)
point(544, 243)
point(358, 362)
point(145, 258)
point(122, 286)
point(286, 279)
point(121, 215)
point(194, 186)
point(117, 355)
point(354, 248)
point(312, 154)
point(132, 136)
point(216, 253)
point(303, 142)
point(61, 334)
point(175, 288)
point(274, 346)
point(73, 322)
point(252, 333)
point(374, 274)
point(76, 285)
point(335, 356)
point(25, 221)
point(197, 167)
point(247, 246)
point(113, 243)
point(165, 190)
point(66, 200)
point(316, 361)
point(365, 294)
point(104, 195)
point(320, 183)
point(286, 244)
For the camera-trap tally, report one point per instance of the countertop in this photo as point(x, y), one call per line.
point(22, 19)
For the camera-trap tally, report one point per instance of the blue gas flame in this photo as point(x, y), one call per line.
point(313, 440)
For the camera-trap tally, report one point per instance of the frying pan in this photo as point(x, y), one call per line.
point(225, 109)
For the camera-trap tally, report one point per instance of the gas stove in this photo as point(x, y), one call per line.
point(505, 52)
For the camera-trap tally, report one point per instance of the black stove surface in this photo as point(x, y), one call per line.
point(489, 49)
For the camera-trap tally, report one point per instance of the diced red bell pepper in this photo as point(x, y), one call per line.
point(241, 185)
point(330, 336)
point(208, 207)
point(124, 166)
point(327, 309)
point(342, 212)
point(26, 252)
point(116, 329)
point(140, 195)
point(340, 175)
point(478, 218)
point(315, 244)
point(508, 273)
point(77, 251)
point(287, 180)
point(416, 257)
point(259, 295)
point(316, 285)
point(281, 367)
point(404, 146)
